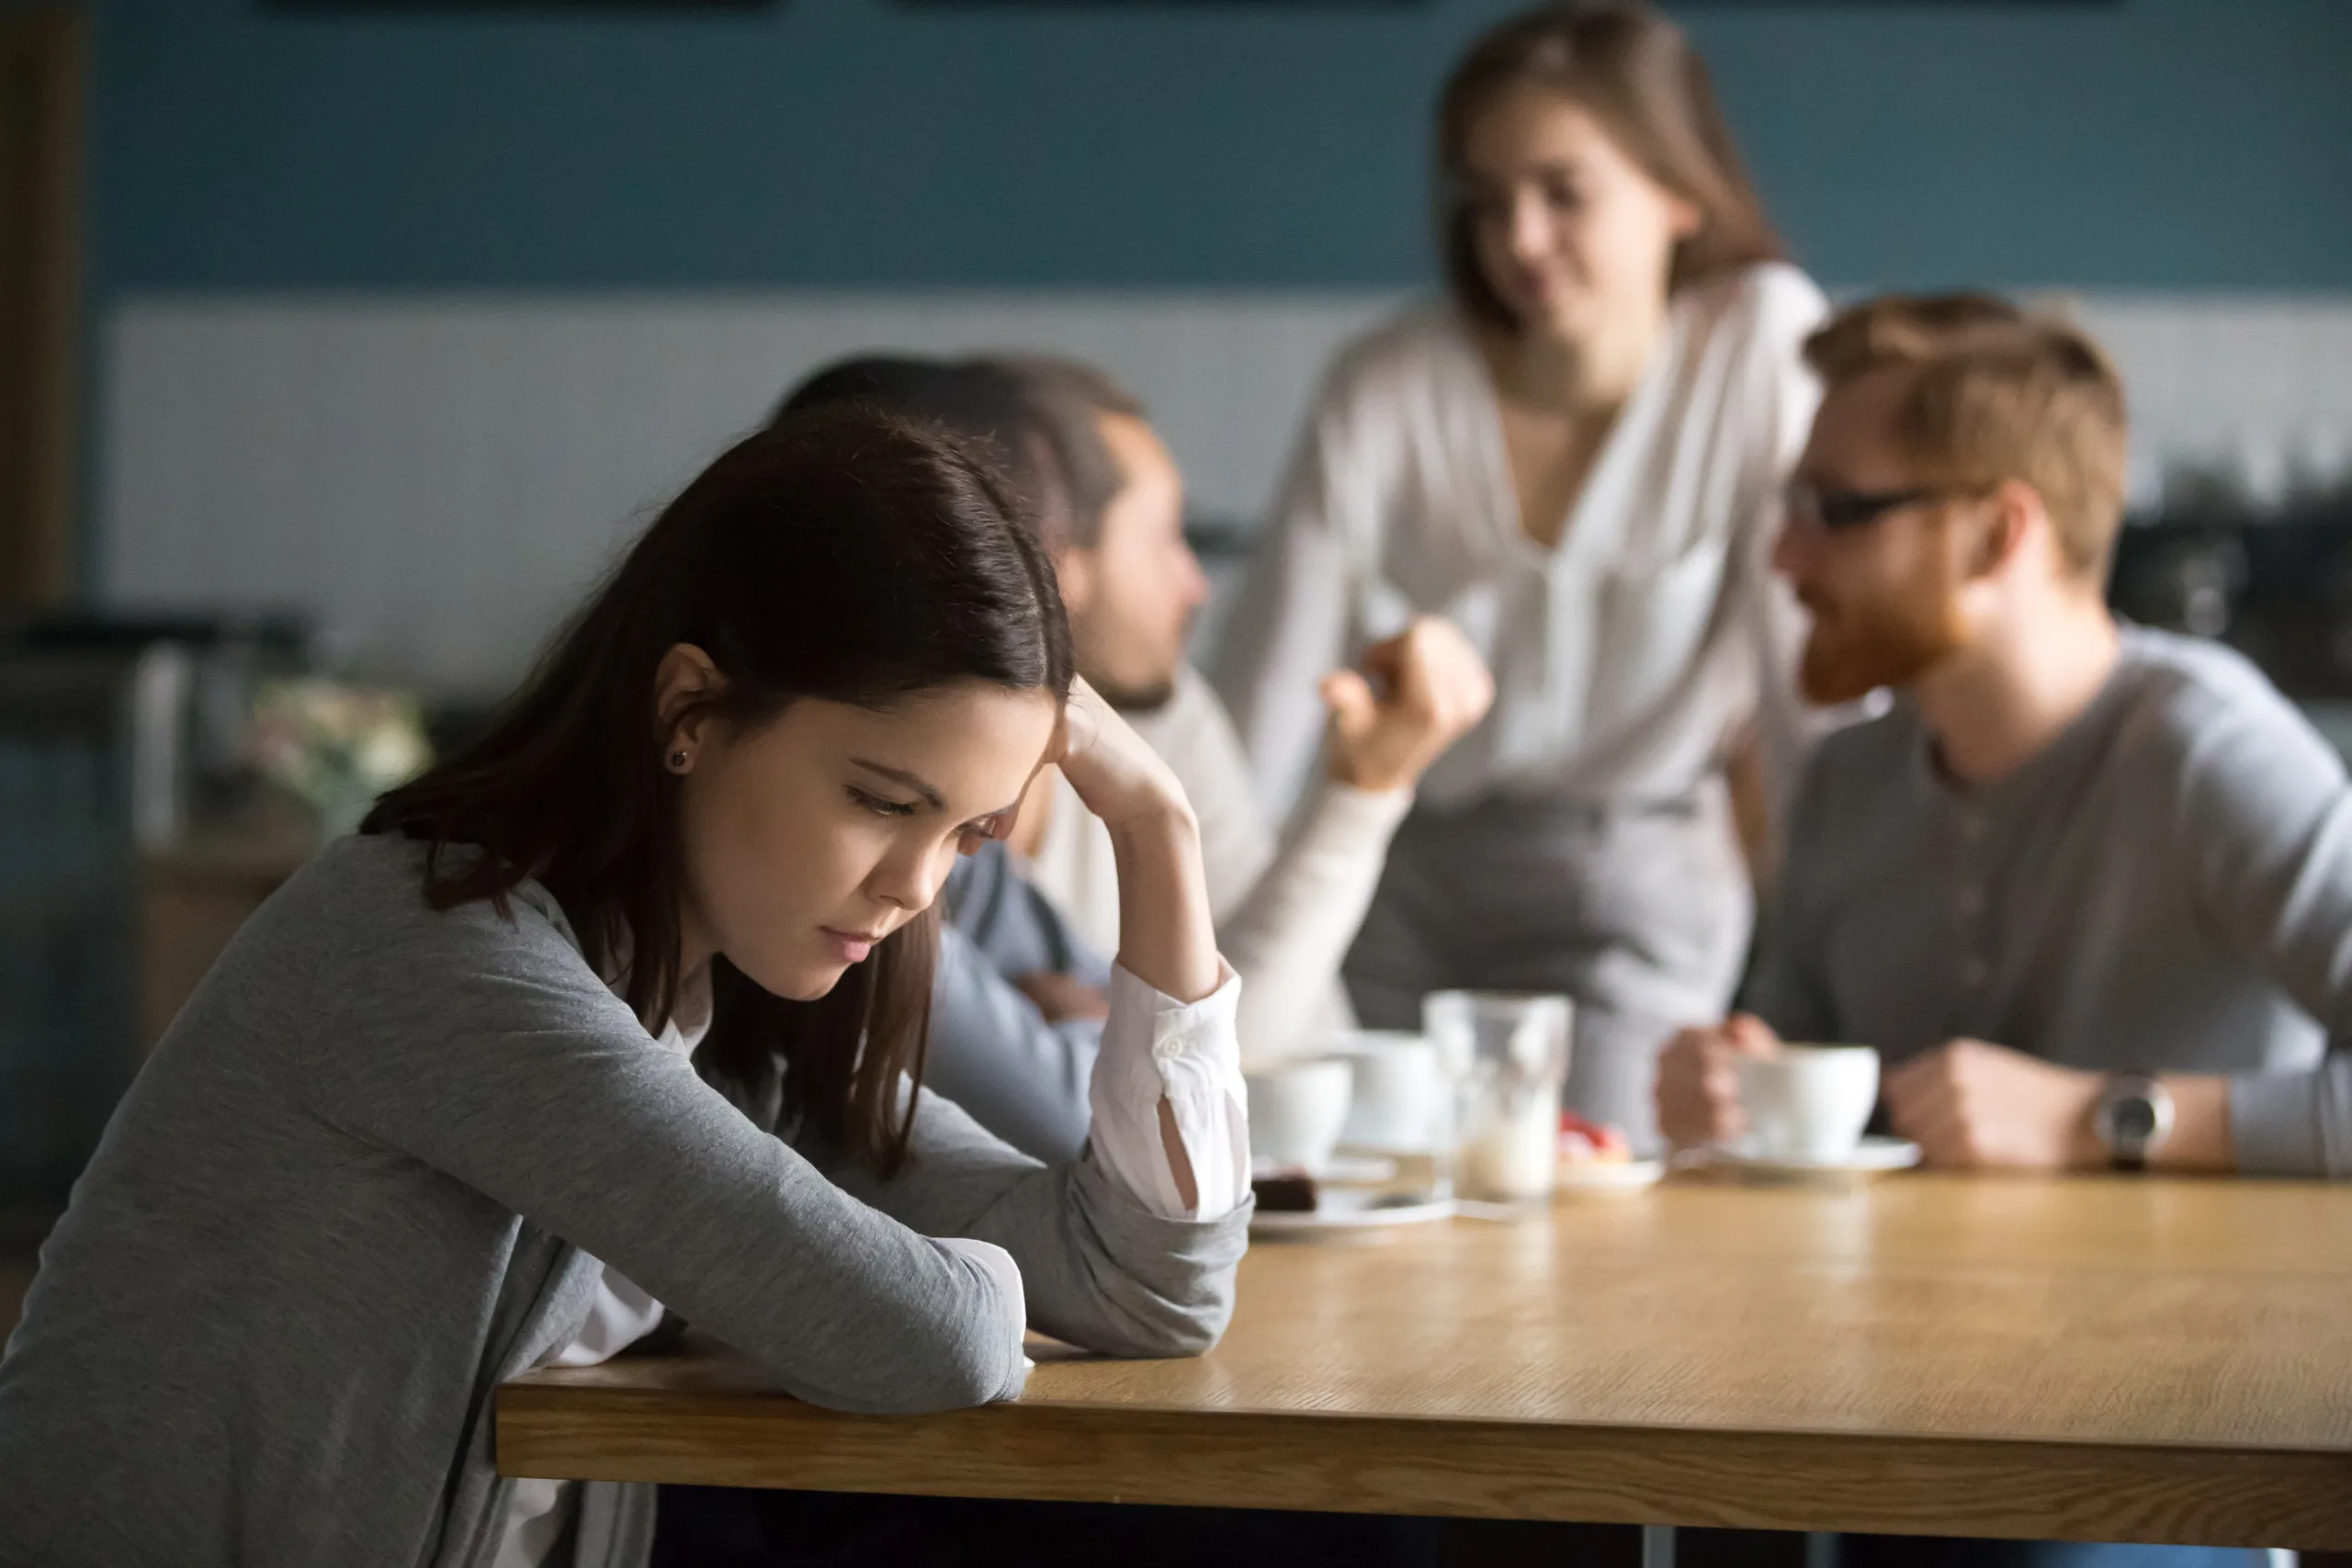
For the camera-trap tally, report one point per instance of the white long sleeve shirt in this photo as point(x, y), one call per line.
point(1154, 1047)
point(1286, 911)
point(1625, 658)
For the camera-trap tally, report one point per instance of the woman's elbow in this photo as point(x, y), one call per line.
point(984, 1374)
point(1169, 1330)
point(952, 1377)
point(926, 1362)
point(957, 1386)
point(1192, 1337)
point(975, 1359)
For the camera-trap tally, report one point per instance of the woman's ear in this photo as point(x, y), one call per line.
point(684, 684)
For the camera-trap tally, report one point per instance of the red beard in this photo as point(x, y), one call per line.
point(1854, 649)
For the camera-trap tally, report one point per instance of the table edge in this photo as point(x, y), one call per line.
point(2182, 1493)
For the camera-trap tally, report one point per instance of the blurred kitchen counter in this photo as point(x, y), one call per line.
point(195, 892)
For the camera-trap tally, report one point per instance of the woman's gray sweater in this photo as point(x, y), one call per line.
point(367, 1176)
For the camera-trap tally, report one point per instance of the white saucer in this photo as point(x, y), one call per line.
point(1341, 1210)
point(1607, 1176)
point(1358, 1171)
point(1873, 1157)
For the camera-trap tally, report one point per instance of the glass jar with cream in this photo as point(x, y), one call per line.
point(1505, 1057)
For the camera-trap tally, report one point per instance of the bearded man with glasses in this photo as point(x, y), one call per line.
point(2088, 888)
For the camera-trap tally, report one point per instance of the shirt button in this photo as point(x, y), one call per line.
point(1167, 1050)
point(1971, 825)
point(1974, 972)
point(1972, 899)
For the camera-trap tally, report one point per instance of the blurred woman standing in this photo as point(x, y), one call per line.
point(1577, 458)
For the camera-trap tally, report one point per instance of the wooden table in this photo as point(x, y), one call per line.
point(2089, 1360)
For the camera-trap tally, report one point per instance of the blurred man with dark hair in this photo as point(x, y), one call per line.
point(1286, 908)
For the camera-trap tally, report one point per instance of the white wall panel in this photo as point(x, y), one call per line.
point(2253, 392)
point(435, 477)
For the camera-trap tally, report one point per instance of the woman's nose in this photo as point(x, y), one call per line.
point(912, 878)
point(1530, 227)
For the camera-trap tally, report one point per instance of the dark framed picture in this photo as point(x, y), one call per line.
point(510, 8)
point(1891, 5)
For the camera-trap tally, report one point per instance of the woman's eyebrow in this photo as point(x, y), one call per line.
point(912, 781)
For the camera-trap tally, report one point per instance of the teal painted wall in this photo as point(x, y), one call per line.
point(2158, 143)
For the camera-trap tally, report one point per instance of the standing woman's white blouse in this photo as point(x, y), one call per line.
point(1626, 658)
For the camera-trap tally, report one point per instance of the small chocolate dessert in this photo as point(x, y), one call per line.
point(1289, 1191)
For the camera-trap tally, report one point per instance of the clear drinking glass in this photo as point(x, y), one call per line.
point(1505, 1057)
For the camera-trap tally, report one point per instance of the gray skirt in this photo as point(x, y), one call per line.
point(1640, 912)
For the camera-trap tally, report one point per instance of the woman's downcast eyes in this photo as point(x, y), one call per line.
point(1563, 191)
point(878, 805)
point(968, 838)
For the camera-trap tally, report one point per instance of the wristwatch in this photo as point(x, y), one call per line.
point(2132, 1120)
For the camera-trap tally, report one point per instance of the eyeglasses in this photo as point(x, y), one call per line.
point(1840, 509)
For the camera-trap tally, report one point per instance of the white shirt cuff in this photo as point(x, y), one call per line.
point(1155, 1048)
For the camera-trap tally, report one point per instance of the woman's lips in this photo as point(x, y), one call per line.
point(850, 947)
point(1535, 287)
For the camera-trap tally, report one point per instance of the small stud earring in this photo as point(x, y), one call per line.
point(678, 761)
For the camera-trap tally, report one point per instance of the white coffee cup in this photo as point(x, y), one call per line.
point(1296, 1111)
point(1808, 1102)
point(1398, 1094)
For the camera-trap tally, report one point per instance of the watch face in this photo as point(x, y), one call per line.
point(2133, 1118)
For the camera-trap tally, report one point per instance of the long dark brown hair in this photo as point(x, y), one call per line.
point(1634, 71)
point(840, 554)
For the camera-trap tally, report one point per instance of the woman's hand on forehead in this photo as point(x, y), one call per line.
point(1077, 728)
point(1118, 776)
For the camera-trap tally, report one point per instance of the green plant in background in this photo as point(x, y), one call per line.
point(337, 746)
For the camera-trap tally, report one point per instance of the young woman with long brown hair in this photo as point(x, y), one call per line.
point(622, 1012)
point(1577, 458)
